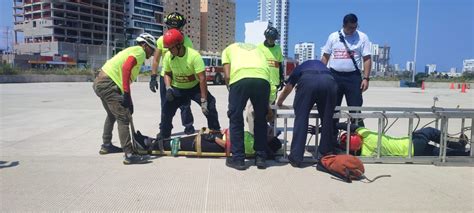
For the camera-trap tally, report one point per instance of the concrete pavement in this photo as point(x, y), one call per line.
point(50, 135)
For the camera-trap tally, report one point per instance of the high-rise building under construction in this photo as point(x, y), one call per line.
point(78, 28)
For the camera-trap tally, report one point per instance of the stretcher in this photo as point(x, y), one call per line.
point(441, 118)
point(196, 145)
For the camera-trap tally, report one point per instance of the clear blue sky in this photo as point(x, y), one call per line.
point(446, 27)
point(446, 33)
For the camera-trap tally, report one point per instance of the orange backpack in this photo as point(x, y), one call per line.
point(346, 167)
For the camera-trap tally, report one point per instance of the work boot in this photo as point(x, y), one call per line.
point(293, 163)
point(135, 159)
point(463, 139)
point(260, 162)
point(457, 142)
point(189, 130)
point(109, 148)
point(239, 165)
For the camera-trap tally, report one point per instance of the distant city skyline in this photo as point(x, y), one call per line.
point(446, 28)
point(446, 31)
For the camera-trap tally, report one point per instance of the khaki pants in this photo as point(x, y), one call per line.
point(110, 95)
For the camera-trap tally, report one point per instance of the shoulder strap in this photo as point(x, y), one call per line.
point(341, 38)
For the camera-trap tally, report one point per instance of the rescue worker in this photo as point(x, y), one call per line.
point(177, 21)
point(274, 57)
point(185, 80)
point(315, 85)
point(112, 85)
point(247, 77)
point(345, 51)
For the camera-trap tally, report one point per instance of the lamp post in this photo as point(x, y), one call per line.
point(108, 30)
point(416, 40)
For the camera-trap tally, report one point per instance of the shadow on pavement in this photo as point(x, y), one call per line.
point(6, 164)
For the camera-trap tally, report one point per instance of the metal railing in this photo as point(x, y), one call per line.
point(441, 116)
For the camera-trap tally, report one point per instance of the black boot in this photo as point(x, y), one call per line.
point(239, 165)
point(260, 162)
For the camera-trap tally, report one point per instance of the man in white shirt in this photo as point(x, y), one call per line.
point(346, 69)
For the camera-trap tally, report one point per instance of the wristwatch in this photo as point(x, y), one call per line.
point(366, 78)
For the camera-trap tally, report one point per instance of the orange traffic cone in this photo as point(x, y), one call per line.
point(463, 88)
point(422, 85)
point(452, 86)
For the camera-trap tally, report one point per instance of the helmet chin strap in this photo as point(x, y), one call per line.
point(181, 49)
point(267, 44)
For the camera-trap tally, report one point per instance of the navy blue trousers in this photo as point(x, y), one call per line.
point(421, 147)
point(349, 86)
point(187, 118)
point(183, 97)
point(258, 91)
point(319, 89)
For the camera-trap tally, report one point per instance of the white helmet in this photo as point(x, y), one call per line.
point(148, 39)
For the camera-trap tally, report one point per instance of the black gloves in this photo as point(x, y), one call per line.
point(312, 129)
point(169, 94)
point(211, 137)
point(127, 102)
point(282, 78)
point(343, 126)
point(153, 83)
point(282, 84)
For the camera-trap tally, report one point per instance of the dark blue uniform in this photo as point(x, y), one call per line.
point(183, 97)
point(187, 118)
point(314, 85)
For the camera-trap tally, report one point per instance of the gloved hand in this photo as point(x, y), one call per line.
point(282, 84)
point(127, 101)
point(169, 94)
point(312, 129)
point(204, 108)
point(282, 78)
point(211, 137)
point(153, 83)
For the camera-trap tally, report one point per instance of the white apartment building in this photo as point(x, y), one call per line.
point(304, 51)
point(276, 12)
point(468, 65)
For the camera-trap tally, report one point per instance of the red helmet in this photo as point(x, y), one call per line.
point(172, 37)
point(355, 142)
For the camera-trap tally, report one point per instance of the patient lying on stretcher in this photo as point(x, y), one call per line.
point(207, 141)
point(425, 142)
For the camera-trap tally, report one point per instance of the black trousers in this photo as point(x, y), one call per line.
point(319, 89)
point(349, 86)
point(421, 146)
point(258, 91)
point(187, 118)
point(183, 97)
